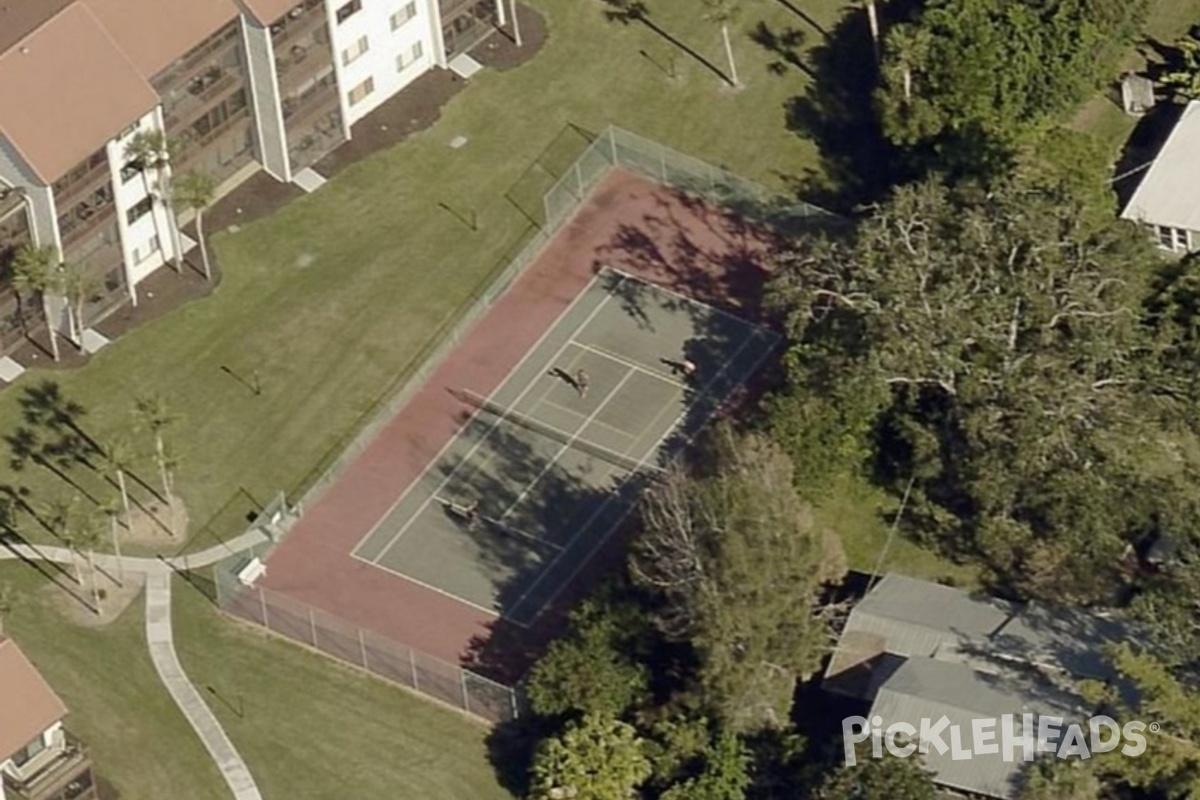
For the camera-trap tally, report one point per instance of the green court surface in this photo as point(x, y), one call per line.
point(542, 471)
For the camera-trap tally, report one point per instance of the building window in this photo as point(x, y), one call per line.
point(22, 756)
point(362, 90)
point(355, 51)
point(129, 172)
point(404, 15)
point(138, 211)
point(406, 60)
point(348, 10)
point(1174, 239)
point(140, 254)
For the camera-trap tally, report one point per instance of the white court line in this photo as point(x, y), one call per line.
point(603, 537)
point(433, 588)
point(619, 431)
point(564, 448)
point(600, 351)
point(513, 530)
point(491, 428)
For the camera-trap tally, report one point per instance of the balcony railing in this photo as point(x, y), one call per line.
point(63, 772)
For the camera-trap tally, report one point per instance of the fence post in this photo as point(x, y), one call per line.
point(362, 648)
point(662, 164)
point(312, 626)
point(578, 181)
point(262, 601)
point(512, 698)
point(462, 674)
point(412, 661)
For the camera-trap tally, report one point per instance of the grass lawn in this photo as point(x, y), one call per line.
point(310, 729)
point(141, 744)
point(389, 266)
point(1166, 21)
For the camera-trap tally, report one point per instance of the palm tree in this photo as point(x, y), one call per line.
point(33, 270)
point(153, 414)
point(116, 457)
point(111, 509)
point(154, 150)
point(74, 285)
point(724, 13)
point(59, 516)
point(79, 530)
point(197, 190)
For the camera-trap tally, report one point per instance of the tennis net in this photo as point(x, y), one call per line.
point(627, 463)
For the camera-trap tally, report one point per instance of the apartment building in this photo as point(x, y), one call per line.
point(235, 85)
point(39, 758)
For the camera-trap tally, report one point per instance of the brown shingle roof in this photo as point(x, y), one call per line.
point(28, 705)
point(65, 90)
point(269, 11)
point(19, 18)
point(156, 33)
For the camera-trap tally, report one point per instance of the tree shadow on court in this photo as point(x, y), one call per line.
point(720, 255)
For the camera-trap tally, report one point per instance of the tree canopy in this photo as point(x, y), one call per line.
point(965, 80)
point(740, 565)
point(596, 758)
point(1004, 340)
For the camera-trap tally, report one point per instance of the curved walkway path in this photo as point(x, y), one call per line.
point(160, 639)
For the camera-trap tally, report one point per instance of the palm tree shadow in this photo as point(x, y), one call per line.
point(629, 11)
point(784, 44)
point(802, 14)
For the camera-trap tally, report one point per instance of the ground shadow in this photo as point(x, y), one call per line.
point(1141, 148)
point(786, 45)
point(631, 11)
point(837, 113)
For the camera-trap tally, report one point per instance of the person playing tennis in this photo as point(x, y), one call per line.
point(582, 379)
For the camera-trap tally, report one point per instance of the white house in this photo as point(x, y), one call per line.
point(1168, 198)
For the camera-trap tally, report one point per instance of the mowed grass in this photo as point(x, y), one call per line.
point(310, 729)
point(141, 744)
point(389, 267)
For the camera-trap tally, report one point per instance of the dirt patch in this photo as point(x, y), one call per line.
point(154, 523)
point(260, 196)
point(163, 291)
point(414, 109)
point(500, 52)
point(78, 603)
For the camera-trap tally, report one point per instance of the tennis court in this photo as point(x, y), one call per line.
point(544, 469)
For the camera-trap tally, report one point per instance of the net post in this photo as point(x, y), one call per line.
point(262, 601)
point(362, 649)
point(412, 662)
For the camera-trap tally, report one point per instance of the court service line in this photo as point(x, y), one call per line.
point(618, 431)
point(504, 382)
point(601, 351)
point(564, 448)
point(604, 536)
point(491, 428)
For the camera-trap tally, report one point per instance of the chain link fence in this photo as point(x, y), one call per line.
point(394, 661)
point(383, 657)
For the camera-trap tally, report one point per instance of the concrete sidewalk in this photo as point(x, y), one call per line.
point(160, 638)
